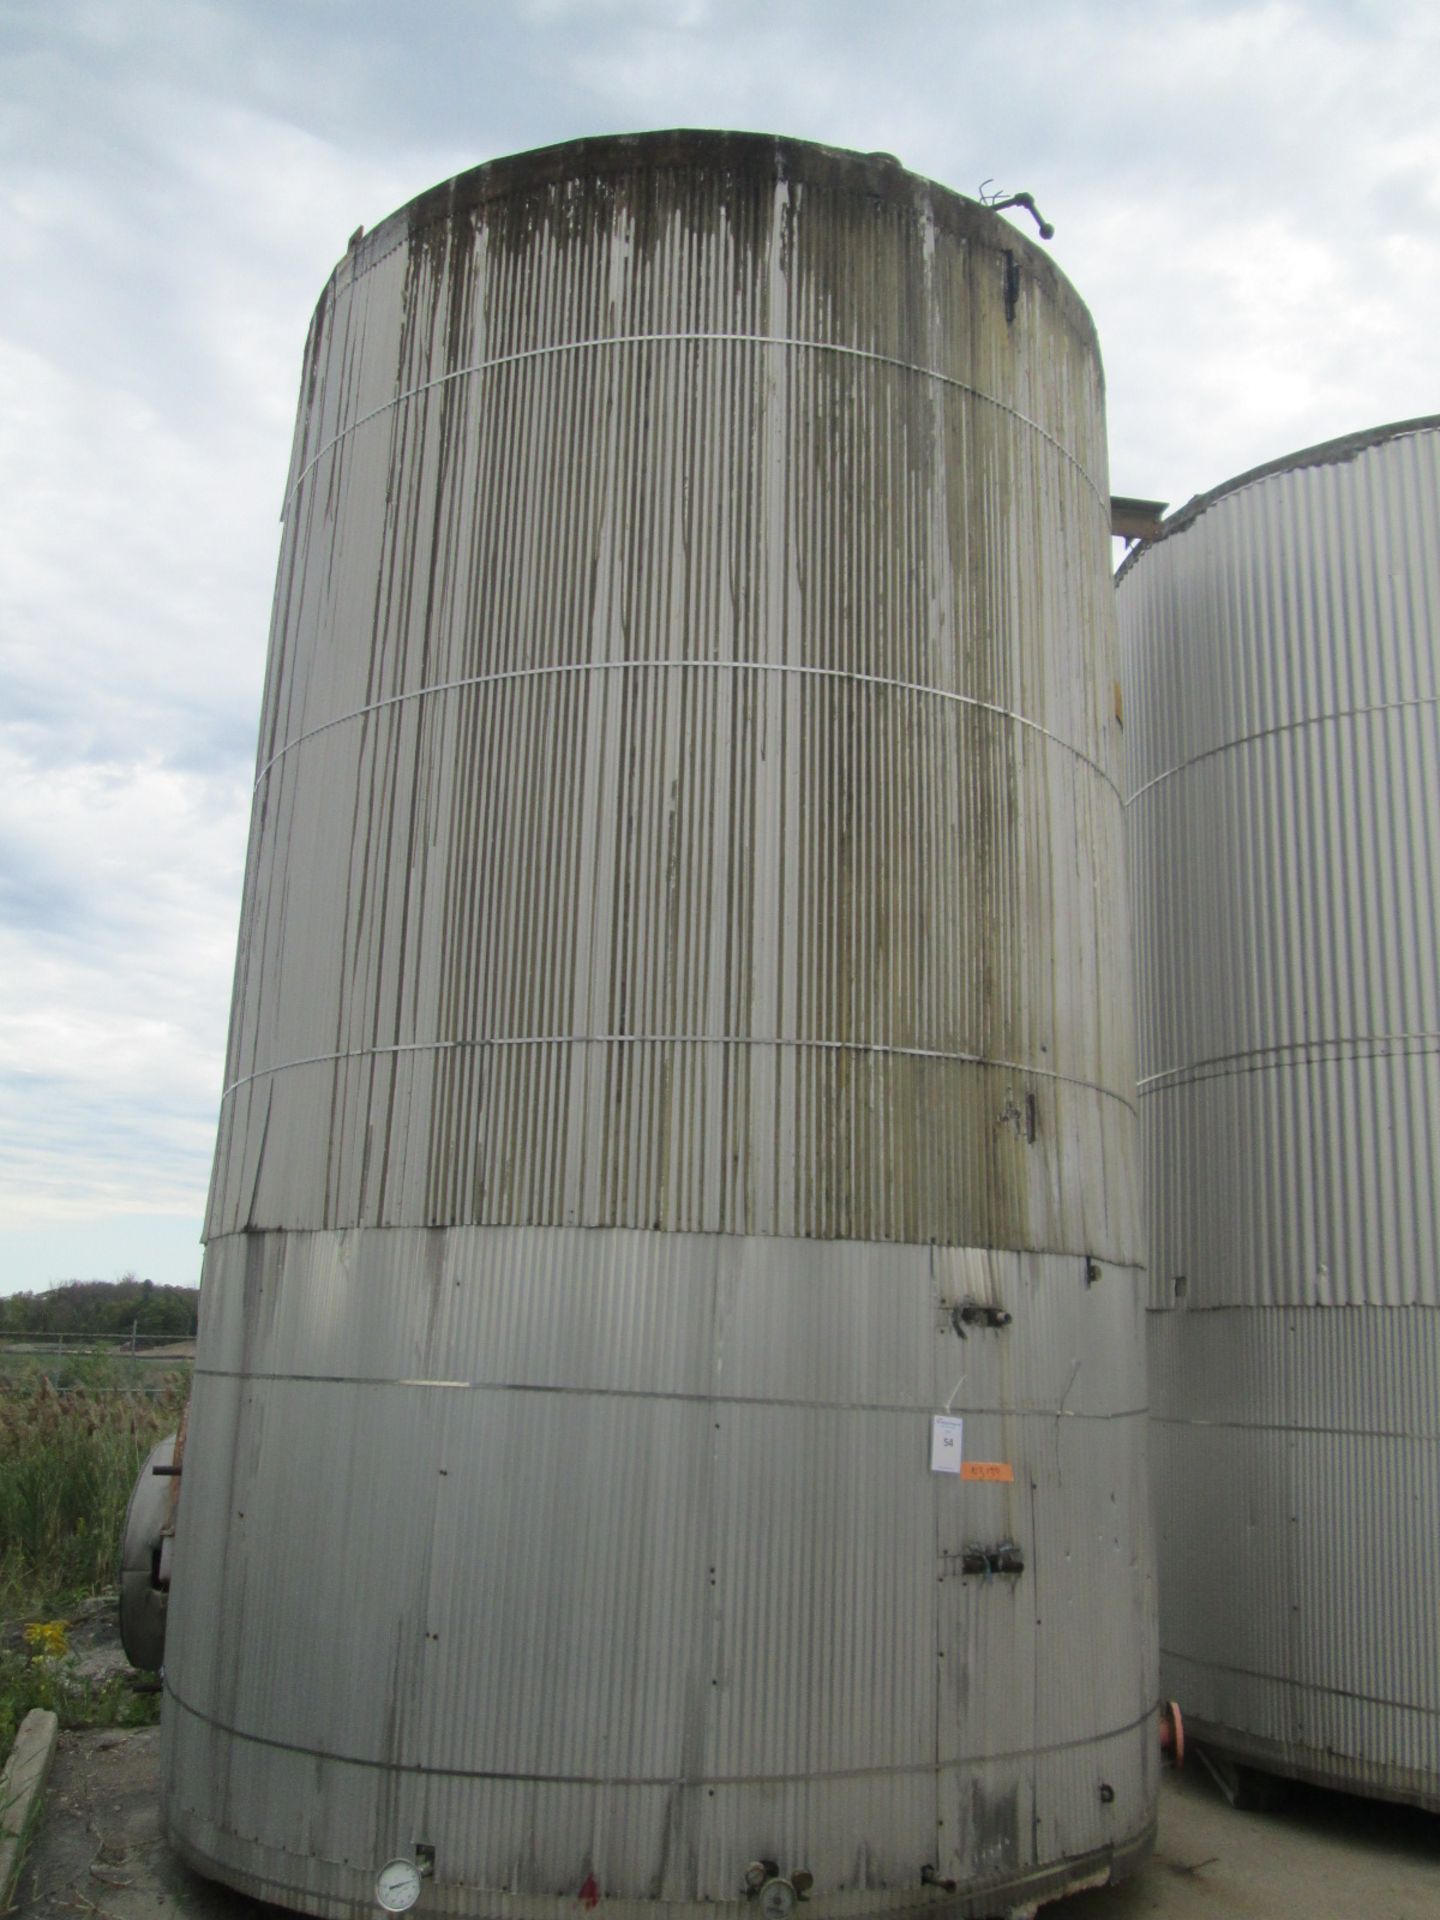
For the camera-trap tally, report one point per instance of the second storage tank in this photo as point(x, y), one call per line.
point(1280, 646)
point(681, 1060)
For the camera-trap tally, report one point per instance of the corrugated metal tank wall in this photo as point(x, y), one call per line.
point(683, 963)
point(1280, 648)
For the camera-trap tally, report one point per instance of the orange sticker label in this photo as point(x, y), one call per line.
point(988, 1470)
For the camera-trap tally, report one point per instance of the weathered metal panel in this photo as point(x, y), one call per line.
point(1297, 1456)
point(1280, 648)
point(683, 963)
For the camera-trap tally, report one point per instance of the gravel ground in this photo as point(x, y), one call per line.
point(98, 1850)
point(1324, 1856)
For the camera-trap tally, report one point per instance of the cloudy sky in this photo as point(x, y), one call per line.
point(1247, 196)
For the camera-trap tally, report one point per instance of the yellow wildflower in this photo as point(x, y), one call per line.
point(49, 1638)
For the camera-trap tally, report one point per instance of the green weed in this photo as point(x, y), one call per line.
point(45, 1680)
point(67, 1464)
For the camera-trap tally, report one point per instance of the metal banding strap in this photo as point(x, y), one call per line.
point(1329, 1432)
point(1299, 1053)
point(1310, 1684)
point(985, 1247)
point(840, 674)
point(1285, 726)
point(697, 337)
point(921, 1766)
point(664, 1397)
point(671, 1040)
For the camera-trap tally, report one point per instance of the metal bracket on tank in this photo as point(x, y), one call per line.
point(1006, 1558)
point(978, 1313)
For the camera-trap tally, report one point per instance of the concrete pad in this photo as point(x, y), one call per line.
point(98, 1853)
point(1318, 1856)
point(22, 1782)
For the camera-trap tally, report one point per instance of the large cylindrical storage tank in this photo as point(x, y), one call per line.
point(1280, 644)
point(681, 1047)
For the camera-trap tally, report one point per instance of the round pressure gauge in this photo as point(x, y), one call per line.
point(397, 1885)
point(777, 1900)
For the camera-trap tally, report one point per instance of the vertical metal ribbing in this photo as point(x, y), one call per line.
point(818, 434)
point(1280, 652)
point(684, 961)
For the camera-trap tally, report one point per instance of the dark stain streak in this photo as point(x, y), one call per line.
point(1012, 287)
point(880, 866)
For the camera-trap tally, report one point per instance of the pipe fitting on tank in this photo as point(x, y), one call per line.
point(778, 1894)
point(1001, 202)
point(146, 1551)
point(1006, 1558)
point(978, 1313)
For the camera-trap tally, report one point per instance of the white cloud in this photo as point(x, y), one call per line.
point(148, 371)
point(123, 883)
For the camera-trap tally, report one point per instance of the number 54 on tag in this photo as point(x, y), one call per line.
point(946, 1443)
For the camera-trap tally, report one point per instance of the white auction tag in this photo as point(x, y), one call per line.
point(945, 1443)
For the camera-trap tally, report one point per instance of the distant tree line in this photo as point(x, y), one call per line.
point(86, 1307)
